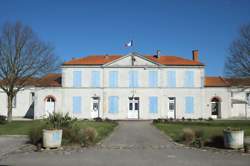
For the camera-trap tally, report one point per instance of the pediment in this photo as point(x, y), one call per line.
point(132, 60)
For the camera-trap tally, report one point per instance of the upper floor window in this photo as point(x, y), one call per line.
point(95, 79)
point(77, 78)
point(113, 79)
point(171, 79)
point(152, 78)
point(133, 79)
point(189, 79)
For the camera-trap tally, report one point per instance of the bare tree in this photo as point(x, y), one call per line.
point(238, 62)
point(23, 56)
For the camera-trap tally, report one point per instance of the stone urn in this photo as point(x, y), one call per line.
point(233, 138)
point(52, 138)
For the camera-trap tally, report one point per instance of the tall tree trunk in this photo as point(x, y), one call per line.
point(10, 99)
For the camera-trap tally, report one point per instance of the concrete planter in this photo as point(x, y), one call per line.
point(52, 138)
point(233, 139)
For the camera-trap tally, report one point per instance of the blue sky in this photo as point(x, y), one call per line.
point(176, 27)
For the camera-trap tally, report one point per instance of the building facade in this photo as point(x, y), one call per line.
point(133, 86)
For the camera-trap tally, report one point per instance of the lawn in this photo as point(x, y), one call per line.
point(24, 127)
point(209, 128)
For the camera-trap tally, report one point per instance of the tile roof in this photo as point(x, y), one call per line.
point(239, 81)
point(103, 59)
point(50, 80)
point(216, 82)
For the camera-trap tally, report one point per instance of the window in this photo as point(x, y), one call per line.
point(113, 79)
point(189, 79)
point(152, 78)
point(171, 79)
point(248, 99)
point(77, 104)
point(189, 103)
point(113, 104)
point(95, 81)
point(133, 79)
point(77, 78)
point(153, 104)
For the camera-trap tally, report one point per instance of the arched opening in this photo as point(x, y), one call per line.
point(216, 107)
point(49, 105)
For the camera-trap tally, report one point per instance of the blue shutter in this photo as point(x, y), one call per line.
point(113, 104)
point(77, 104)
point(95, 79)
point(189, 103)
point(133, 79)
point(189, 79)
point(153, 78)
point(171, 75)
point(113, 79)
point(153, 104)
point(77, 78)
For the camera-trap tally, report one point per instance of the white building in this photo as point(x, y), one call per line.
point(133, 86)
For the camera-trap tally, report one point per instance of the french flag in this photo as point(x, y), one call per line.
point(129, 44)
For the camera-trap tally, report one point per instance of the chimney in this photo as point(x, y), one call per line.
point(106, 56)
point(195, 55)
point(157, 54)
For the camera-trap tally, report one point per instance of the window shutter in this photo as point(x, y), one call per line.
point(95, 79)
point(153, 104)
point(189, 104)
point(77, 104)
point(153, 78)
point(171, 78)
point(189, 79)
point(113, 104)
point(133, 79)
point(77, 78)
point(113, 79)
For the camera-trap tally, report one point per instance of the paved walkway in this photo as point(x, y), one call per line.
point(11, 143)
point(132, 143)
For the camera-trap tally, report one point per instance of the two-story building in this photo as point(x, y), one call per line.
point(132, 86)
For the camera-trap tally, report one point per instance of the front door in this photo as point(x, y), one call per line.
point(133, 110)
point(171, 107)
point(95, 107)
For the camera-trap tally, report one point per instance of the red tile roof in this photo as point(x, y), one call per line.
point(216, 82)
point(102, 59)
point(239, 81)
point(50, 80)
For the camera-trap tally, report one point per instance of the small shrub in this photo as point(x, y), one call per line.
point(199, 133)
point(156, 121)
point(171, 119)
point(189, 119)
point(166, 120)
point(210, 119)
point(3, 119)
point(200, 119)
point(183, 119)
point(36, 135)
point(188, 136)
point(90, 135)
point(73, 135)
point(98, 119)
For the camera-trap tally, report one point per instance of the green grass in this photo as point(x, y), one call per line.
point(210, 128)
point(24, 127)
